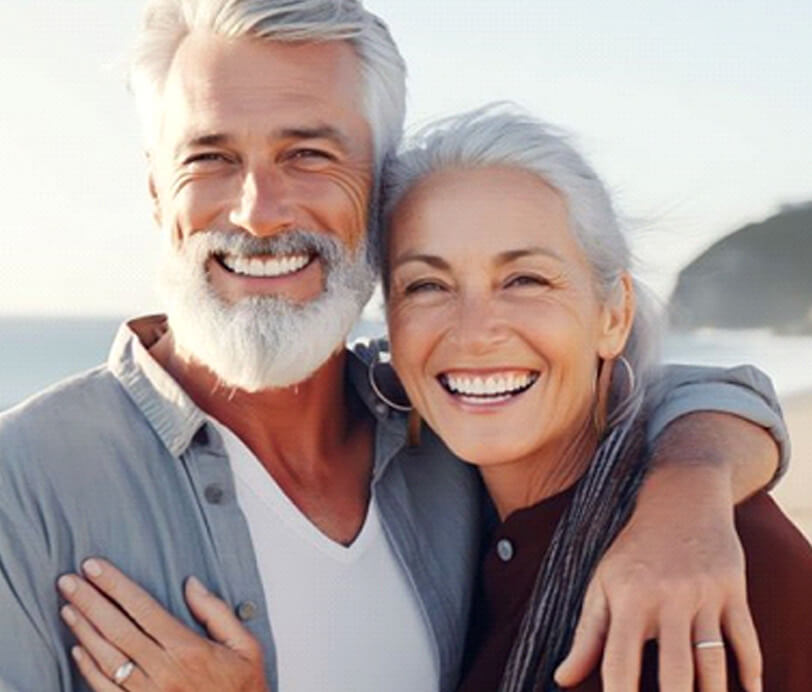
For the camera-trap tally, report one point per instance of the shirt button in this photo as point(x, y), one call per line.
point(247, 610)
point(381, 409)
point(201, 437)
point(504, 549)
point(214, 494)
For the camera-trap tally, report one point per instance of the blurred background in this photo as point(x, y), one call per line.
point(698, 114)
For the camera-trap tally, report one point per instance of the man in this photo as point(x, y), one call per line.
point(239, 441)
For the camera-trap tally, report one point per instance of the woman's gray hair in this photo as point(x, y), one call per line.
point(502, 135)
point(167, 23)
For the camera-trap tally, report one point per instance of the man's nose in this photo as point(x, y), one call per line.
point(263, 207)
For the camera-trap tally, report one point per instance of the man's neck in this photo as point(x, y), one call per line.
point(314, 438)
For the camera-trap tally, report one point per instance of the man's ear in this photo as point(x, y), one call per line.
point(156, 203)
point(617, 318)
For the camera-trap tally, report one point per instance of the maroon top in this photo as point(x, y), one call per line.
point(779, 589)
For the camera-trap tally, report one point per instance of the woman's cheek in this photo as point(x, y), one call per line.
point(412, 331)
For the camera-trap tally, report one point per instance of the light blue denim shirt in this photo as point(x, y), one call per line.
point(120, 463)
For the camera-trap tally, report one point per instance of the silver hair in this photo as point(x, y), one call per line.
point(500, 134)
point(166, 23)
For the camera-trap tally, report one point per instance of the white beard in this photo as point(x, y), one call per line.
point(262, 342)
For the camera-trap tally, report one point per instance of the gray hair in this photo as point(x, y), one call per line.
point(167, 22)
point(502, 135)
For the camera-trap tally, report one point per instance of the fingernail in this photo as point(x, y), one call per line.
point(92, 568)
point(76, 652)
point(68, 615)
point(196, 587)
point(67, 584)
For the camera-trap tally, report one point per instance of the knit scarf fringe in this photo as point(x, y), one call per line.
point(603, 503)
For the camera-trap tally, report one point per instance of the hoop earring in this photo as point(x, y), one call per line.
point(629, 372)
point(382, 358)
point(602, 416)
point(602, 385)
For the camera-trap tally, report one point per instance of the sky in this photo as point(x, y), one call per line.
point(698, 115)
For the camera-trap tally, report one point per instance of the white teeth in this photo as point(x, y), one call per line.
point(265, 266)
point(491, 386)
point(480, 400)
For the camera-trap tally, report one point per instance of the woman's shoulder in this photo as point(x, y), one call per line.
point(767, 532)
point(779, 574)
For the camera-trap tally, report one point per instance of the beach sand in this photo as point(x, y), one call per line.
point(794, 492)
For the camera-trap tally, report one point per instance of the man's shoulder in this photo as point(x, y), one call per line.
point(66, 399)
point(64, 418)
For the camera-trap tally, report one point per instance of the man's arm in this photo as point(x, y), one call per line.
point(752, 452)
point(676, 571)
point(742, 455)
point(31, 656)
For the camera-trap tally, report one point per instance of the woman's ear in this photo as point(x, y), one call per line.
point(617, 318)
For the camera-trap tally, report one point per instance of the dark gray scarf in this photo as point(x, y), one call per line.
point(603, 502)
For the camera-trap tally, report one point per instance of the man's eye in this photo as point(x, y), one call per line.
point(317, 154)
point(205, 157)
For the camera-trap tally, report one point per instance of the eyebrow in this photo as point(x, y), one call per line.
point(217, 139)
point(431, 260)
point(317, 132)
point(501, 259)
point(513, 255)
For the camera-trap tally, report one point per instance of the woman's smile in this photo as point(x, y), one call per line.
point(487, 388)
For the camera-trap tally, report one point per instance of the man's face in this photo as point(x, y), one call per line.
point(261, 179)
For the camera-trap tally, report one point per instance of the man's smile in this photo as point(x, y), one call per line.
point(265, 266)
point(298, 276)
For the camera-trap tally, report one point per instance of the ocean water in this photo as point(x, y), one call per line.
point(37, 352)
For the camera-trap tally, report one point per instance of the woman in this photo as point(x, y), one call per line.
point(523, 342)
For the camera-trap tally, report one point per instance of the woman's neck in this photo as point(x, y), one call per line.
point(546, 472)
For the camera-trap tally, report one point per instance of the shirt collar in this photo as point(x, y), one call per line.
point(171, 412)
point(175, 417)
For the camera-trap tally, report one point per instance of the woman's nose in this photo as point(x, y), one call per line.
point(477, 324)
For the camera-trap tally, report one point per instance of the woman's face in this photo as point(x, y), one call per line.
point(495, 325)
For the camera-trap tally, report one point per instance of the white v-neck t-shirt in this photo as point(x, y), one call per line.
point(344, 618)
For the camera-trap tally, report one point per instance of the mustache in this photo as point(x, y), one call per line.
point(295, 241)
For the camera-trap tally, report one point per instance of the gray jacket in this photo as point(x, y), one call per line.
point(120, 463)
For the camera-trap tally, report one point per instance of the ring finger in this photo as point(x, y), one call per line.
point(101, 659)
point(710, 661)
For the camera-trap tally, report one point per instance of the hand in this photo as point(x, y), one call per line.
point(115, 620)
point(675, 573)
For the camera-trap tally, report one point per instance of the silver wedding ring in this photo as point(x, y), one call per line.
point(124, 671)
point(710, 644)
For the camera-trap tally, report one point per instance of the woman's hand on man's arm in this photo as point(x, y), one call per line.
point(676, 571)
point(115, 621)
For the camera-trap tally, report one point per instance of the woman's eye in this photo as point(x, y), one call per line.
point(523, 280)
point(424, 286)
